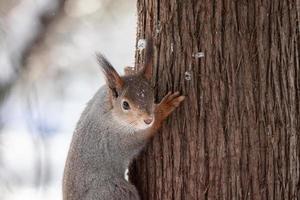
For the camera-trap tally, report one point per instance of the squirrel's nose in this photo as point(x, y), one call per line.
point(148, 121)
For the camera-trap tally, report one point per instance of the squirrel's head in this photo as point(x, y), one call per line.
point(131, 96)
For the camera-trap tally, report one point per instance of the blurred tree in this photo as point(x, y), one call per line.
point(237, 134)
point(24, 25)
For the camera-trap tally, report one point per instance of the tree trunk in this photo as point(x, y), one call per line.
point(237, 135)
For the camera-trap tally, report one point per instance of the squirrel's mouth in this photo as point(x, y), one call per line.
point(141, 124)
point(146, 123)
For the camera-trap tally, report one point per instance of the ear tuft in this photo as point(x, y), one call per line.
point(113, 79)
point(147, 70)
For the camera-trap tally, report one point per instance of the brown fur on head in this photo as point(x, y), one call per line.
point(132, 96)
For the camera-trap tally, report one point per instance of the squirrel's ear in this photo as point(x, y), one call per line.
point(147, 70)
point(113, 79)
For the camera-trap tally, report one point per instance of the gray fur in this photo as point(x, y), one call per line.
point(100, 152)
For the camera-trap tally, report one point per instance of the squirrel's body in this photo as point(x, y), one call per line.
point(114, 127)
point(103, 153)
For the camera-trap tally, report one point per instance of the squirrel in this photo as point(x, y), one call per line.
point(114, 127)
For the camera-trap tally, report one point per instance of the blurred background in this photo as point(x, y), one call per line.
point(48, 72)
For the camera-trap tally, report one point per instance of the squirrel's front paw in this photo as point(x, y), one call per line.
point(168, 104)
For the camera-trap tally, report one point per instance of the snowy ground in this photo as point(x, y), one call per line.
point(44, 105)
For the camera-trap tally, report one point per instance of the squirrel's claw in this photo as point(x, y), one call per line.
point(168, 104)
point(176, 102)
point(173, 96)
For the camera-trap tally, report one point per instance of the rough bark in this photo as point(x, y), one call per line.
point(237, 136)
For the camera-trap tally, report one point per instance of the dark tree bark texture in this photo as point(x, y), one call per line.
point(237, 135)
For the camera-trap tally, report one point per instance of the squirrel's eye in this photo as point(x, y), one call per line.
point(125, 105)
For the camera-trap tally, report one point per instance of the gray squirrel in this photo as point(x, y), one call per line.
point(114, 127)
